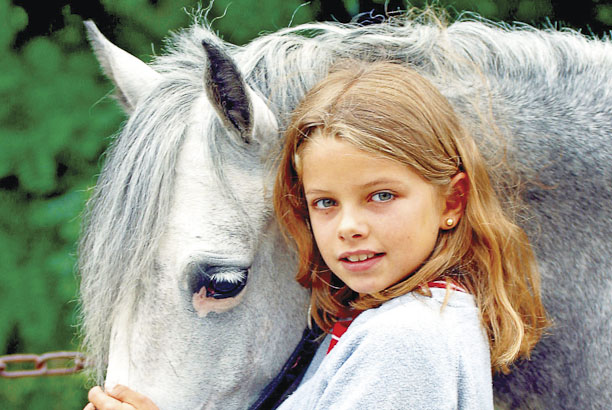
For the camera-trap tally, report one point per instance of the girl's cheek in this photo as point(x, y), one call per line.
point(319, 236)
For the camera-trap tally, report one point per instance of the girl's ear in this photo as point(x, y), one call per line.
point(455, 201)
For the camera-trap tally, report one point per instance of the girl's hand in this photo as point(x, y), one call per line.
point(118, 398)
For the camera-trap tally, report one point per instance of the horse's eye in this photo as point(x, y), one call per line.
point(220, 282)
point(223, 289)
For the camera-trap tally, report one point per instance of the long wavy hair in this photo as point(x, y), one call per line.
point(390, 110)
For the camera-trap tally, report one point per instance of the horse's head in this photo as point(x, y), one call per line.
point(182, 265)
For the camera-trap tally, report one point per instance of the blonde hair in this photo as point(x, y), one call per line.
point(390, 110)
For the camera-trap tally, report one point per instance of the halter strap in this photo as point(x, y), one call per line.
point(292, 372)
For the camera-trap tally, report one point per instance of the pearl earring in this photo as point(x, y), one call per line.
point(450, 222)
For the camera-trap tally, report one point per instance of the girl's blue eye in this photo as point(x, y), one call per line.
point(324, 203)
point(382, 196)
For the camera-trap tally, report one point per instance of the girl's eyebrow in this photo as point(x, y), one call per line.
point(316, 192)
point(376, 182)
point(382, 181)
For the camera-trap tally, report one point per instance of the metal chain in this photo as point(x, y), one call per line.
point(42, 365)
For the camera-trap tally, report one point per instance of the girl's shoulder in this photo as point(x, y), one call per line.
point(421, 316)
point(414, 329)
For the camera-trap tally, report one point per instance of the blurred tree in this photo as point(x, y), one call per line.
point(588, 16)
point(49, 150)
point(242, 22)
point(55, 124)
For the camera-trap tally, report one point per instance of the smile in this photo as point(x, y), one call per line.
point(359, 257)
point(360, 261)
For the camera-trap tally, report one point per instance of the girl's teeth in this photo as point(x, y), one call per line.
point(359, 258)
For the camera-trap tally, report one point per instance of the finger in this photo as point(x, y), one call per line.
point(103, 401)
point(127, 395)
point(89, 407)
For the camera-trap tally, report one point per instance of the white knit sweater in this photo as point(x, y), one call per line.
point(407, 354)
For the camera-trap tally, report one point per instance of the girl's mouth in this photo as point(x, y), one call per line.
point(361, 261)
point(360, 257)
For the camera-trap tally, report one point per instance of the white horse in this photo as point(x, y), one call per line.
point(187, 288)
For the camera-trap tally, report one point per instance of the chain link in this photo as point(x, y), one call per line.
point(42, 365)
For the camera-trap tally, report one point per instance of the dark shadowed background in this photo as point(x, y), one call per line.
point(56, 120)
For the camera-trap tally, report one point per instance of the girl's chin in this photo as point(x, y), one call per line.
point(364, 289)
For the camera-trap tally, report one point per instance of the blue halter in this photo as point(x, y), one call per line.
point(290, 376)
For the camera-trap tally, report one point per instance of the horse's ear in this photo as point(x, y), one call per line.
point(238, 106)
point(133, 78)
point(227, 91)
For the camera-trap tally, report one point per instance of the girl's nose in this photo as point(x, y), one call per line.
point(352, 225)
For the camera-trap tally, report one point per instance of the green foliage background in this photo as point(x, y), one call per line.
point(56, 120)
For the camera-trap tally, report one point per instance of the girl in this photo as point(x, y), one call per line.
point(422, 281)
point(397, 225)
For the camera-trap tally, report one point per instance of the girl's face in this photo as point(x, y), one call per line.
point(375, 221)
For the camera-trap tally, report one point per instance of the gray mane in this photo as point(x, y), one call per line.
point(129, 207)
point(126, 213)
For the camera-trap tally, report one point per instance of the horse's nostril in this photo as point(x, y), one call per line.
point(220, 282)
